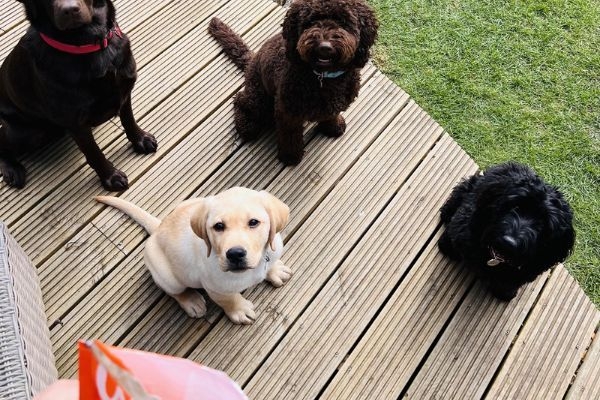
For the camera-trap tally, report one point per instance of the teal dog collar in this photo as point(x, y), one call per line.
point(328, 75)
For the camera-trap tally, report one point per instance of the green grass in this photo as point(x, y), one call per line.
point(510, 80)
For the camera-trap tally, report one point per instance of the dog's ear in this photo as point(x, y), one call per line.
point(297, 12)
point(279, 214)
point(198, 223)
point(367, 23)
point(559, 235)
point(30, 9)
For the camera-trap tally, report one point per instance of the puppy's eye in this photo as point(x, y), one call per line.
point(253, 223)
point(219, 227)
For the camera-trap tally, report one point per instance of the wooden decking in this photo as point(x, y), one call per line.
point(373, 310)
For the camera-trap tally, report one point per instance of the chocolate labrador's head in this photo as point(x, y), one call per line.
point(66, 15)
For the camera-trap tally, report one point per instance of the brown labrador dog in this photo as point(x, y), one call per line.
point(73, 70)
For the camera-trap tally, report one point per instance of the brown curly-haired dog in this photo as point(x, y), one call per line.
point(309, 72)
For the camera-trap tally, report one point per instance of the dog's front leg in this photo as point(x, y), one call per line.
point(333, 127)
point(143, 142)
point(238, 309)
point(279, 273)
point(290, 142)
point(13, 172)
point(112, 179)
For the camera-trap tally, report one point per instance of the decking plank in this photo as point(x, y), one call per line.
point(465, 359)
point(309, 354)
point(11, 12)
point(11, 37)
point(393, 346)
point(587, 381)
point(545, 356)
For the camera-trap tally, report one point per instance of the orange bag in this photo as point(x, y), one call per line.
point(112, 373)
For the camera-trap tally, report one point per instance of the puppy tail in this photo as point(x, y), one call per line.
point(145, 219)
point(232, 44)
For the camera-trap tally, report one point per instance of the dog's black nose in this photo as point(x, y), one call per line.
point(325, 49)
point(70, 8)
point(236, 254)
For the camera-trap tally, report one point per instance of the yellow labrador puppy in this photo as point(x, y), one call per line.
point(224, 244)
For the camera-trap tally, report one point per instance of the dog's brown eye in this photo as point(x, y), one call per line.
point(219, 227)
point(253, 223)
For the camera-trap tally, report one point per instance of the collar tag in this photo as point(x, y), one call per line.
point(494, 262)
point(328, 75)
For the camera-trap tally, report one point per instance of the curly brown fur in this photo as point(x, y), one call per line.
point(284, 81)
point(508, 225)
point(45, 93)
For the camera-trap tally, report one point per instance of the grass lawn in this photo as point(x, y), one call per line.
point(510, 80)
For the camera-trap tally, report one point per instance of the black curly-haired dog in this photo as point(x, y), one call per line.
point(73, 70)
point(309, 72)
point(508, 225)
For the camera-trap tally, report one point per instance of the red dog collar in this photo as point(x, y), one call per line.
point(84, 49)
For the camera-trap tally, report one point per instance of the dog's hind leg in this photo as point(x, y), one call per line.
point(112, 179)
point(13, 172)
point(333, 127)
point(446, 247)
point(253, 107)
point(143, 142)
point(290, 141)
point(502, 290)
point(456, 198)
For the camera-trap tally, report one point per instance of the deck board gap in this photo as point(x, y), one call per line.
point(415, 260)
point(437, 338)
point(515, 338)
point(583, 360)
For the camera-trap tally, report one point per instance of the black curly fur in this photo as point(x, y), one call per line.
point(514, 212)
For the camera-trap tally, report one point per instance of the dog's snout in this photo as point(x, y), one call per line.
point(325, 49)
point(236, 254)
point(69, 8)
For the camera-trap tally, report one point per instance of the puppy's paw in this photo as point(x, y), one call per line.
point(504, 293)
point(146, 144)
point(13, 174)
point(291, 158)
point(243, 313)
point(192, 302)
point(279, 274)
point(115, 182)
point(333, 128)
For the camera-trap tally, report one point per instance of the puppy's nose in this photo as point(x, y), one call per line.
point(236, 254)
point(325, 49)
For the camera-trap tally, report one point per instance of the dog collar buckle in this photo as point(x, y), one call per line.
point(320, 78)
